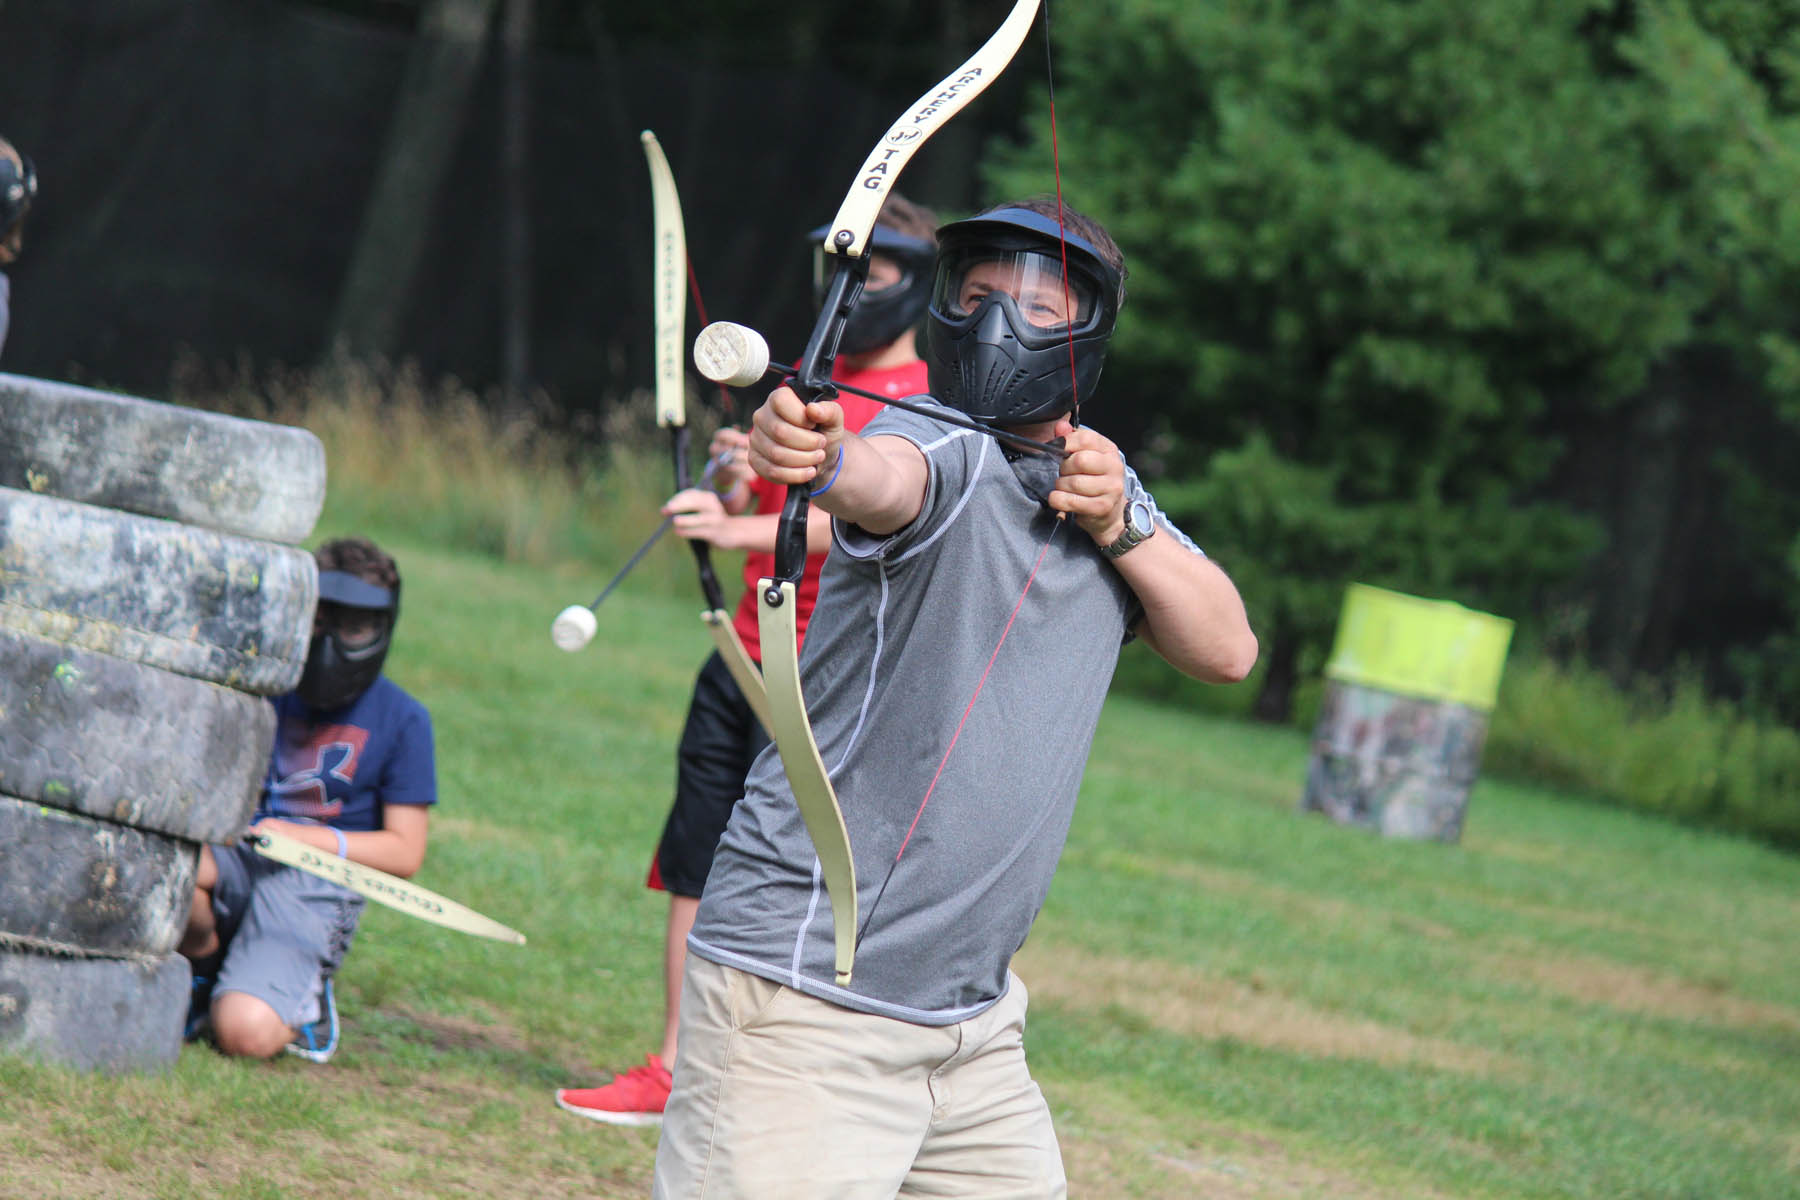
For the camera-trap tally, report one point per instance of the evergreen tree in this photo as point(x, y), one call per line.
point(1396, 266)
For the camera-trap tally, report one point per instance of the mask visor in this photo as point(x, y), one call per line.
point(358, 614)
point(1032, 278)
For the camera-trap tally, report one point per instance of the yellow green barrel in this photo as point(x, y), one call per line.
point(1404, 717)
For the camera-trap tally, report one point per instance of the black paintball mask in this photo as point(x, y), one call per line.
point(882, 314)
point(1006, 340)
point(18, 189)
point(352, 631)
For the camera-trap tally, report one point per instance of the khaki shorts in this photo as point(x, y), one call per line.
point(781, 1095)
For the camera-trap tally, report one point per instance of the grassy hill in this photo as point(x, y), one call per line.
point(1228, 998)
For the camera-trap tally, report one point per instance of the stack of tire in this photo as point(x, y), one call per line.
point(151, 595)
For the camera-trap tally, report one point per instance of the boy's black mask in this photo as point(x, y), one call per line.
point(338, 670)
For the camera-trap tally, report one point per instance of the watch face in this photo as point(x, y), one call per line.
point(1139, 519)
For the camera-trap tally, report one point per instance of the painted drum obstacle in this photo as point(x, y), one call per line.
point(1408, 691)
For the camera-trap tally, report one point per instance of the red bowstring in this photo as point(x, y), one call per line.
point(967, 709)
point(979, 684)
point(725, 400)
point(1056, 167)
point(1062, 233)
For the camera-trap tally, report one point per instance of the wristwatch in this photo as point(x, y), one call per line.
point(1140, 523)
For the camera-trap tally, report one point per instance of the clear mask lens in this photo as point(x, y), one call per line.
point(1033, 279)
point(354, 628)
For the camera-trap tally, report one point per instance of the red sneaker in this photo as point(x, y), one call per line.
point(635, 1098)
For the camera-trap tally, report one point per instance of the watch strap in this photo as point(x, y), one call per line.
point(1129, 538)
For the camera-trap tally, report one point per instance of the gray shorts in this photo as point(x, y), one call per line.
point(284, 931)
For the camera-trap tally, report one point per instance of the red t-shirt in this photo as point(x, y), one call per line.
point(899, 382)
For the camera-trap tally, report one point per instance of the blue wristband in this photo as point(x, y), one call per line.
point(838, 470)
point(343, 842)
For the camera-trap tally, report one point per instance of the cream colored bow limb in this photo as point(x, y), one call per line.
point(671, 408)
point(379, 886)
point(847, 241)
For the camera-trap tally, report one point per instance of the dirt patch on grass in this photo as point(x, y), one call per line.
point(1639, 990)
point(1603, 920)
point(1312, 909)
point(1191, 1003)
point(317, 1133)
point(1112, 1148)
point(465, 1033)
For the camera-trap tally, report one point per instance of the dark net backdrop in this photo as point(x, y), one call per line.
point(206, 165)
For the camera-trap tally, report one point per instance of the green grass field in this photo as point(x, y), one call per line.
point(1228, 998)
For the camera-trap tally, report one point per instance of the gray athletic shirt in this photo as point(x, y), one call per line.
point(902, 633)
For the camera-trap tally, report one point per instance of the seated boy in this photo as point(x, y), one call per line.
point(352, 773)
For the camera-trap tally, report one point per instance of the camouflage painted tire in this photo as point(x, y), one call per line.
point(93, 1013)
point(128, 743)
point(230, 610)
point(75, 885)
point(251, 478)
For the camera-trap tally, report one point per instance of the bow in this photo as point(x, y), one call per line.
point(671, 409)
point(391, 890)
point(848, 243)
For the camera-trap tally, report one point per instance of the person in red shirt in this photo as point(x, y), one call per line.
point(722, 736)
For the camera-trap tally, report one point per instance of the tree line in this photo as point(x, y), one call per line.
point(1494, 303)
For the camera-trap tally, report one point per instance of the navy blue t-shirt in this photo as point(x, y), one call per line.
point(340, 766)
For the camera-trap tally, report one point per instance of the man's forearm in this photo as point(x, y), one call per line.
point(879, 487)
point(1193, 615)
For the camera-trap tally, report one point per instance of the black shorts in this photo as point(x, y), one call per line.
point(720, 741)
